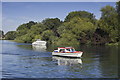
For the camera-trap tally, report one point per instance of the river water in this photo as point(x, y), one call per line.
point(20, 60)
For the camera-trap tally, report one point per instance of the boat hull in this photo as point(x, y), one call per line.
point(39, 43)
point(67, 54)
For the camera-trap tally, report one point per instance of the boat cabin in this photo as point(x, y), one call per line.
point(65, 49)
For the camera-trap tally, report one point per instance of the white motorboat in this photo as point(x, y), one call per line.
point(39, 43)
point(67, 52)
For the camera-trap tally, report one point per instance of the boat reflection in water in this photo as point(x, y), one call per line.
point(39, 48)
point(67, 61)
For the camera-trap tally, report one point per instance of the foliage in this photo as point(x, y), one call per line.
point(67, 39)
point(26, 25)
point(111, 44)
point(37, 28)
point(11, 35)
point(27, 38)
point(52, 23)
point(80, 14)
point(1, 33)
point(109, 22)
point(79, 27)
point(37, 37)
point(118, 11)
point(48, 35)
point(22, 29)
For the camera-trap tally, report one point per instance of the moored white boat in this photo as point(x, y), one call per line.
point(39, 43)
point(67, 52)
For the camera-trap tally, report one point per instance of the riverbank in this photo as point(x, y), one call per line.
point(18, 41)
point(113, 44)
point(2, 38)
point(107, 44)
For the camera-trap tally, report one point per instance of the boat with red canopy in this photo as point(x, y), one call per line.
point(67, 52)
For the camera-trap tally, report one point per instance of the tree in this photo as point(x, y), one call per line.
point(81, 28)
point(37, 37)
point(80, 14)
point(11, 35)
point(22, 29)
point(47, 35)
point(52, 23)
point(37, 29)
point(27, 38)
point(118, 11)
point(109, 22)
point(30, 23)
point(67, 39)
point(118, 7)
point(100, 37)
point(26, 25)
point(1, 34)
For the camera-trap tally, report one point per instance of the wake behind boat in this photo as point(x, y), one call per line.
point(39, 43)
point(67, 52)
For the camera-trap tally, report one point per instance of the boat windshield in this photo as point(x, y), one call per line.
point(70, 50)
point(62, 50)
point(73, 49)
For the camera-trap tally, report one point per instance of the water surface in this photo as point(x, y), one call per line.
point(20, 60)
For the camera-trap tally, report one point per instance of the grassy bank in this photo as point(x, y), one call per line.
point(113, 44)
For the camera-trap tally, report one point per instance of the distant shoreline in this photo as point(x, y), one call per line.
point(107, 44)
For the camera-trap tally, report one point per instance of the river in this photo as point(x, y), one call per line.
point(21, 60)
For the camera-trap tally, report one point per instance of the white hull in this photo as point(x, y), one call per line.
point(67, 54)
point(39, 43)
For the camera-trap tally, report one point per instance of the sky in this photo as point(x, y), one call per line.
point(59, 0)
point(17, 13)
point(0, 16)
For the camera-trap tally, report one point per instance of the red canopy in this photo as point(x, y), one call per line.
point(65, 47)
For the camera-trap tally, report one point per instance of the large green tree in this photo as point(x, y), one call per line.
point(37, 29)
point(47, 35)
point(26, 25)
point(118, 11)
point(67, 39)
point(109, 22)
point(80, 14)
point(22, 29)
point(81, 28)
point(52, 23)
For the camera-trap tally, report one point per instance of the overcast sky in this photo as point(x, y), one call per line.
point(16, 13)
